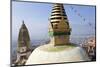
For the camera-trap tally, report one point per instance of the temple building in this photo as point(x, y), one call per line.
point(23, 49)
point(90, 47)
point(59, 49)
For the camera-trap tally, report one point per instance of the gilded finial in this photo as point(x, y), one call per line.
point(23, 22)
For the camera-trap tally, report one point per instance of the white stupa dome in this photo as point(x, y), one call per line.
point(50, 54)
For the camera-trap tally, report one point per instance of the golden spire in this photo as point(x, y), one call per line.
point(59, 25)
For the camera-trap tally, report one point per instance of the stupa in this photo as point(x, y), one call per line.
point(59, 49)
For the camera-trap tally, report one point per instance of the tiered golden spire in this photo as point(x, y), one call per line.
point(59, 28)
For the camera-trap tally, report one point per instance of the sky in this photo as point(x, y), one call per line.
point(36, 18)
